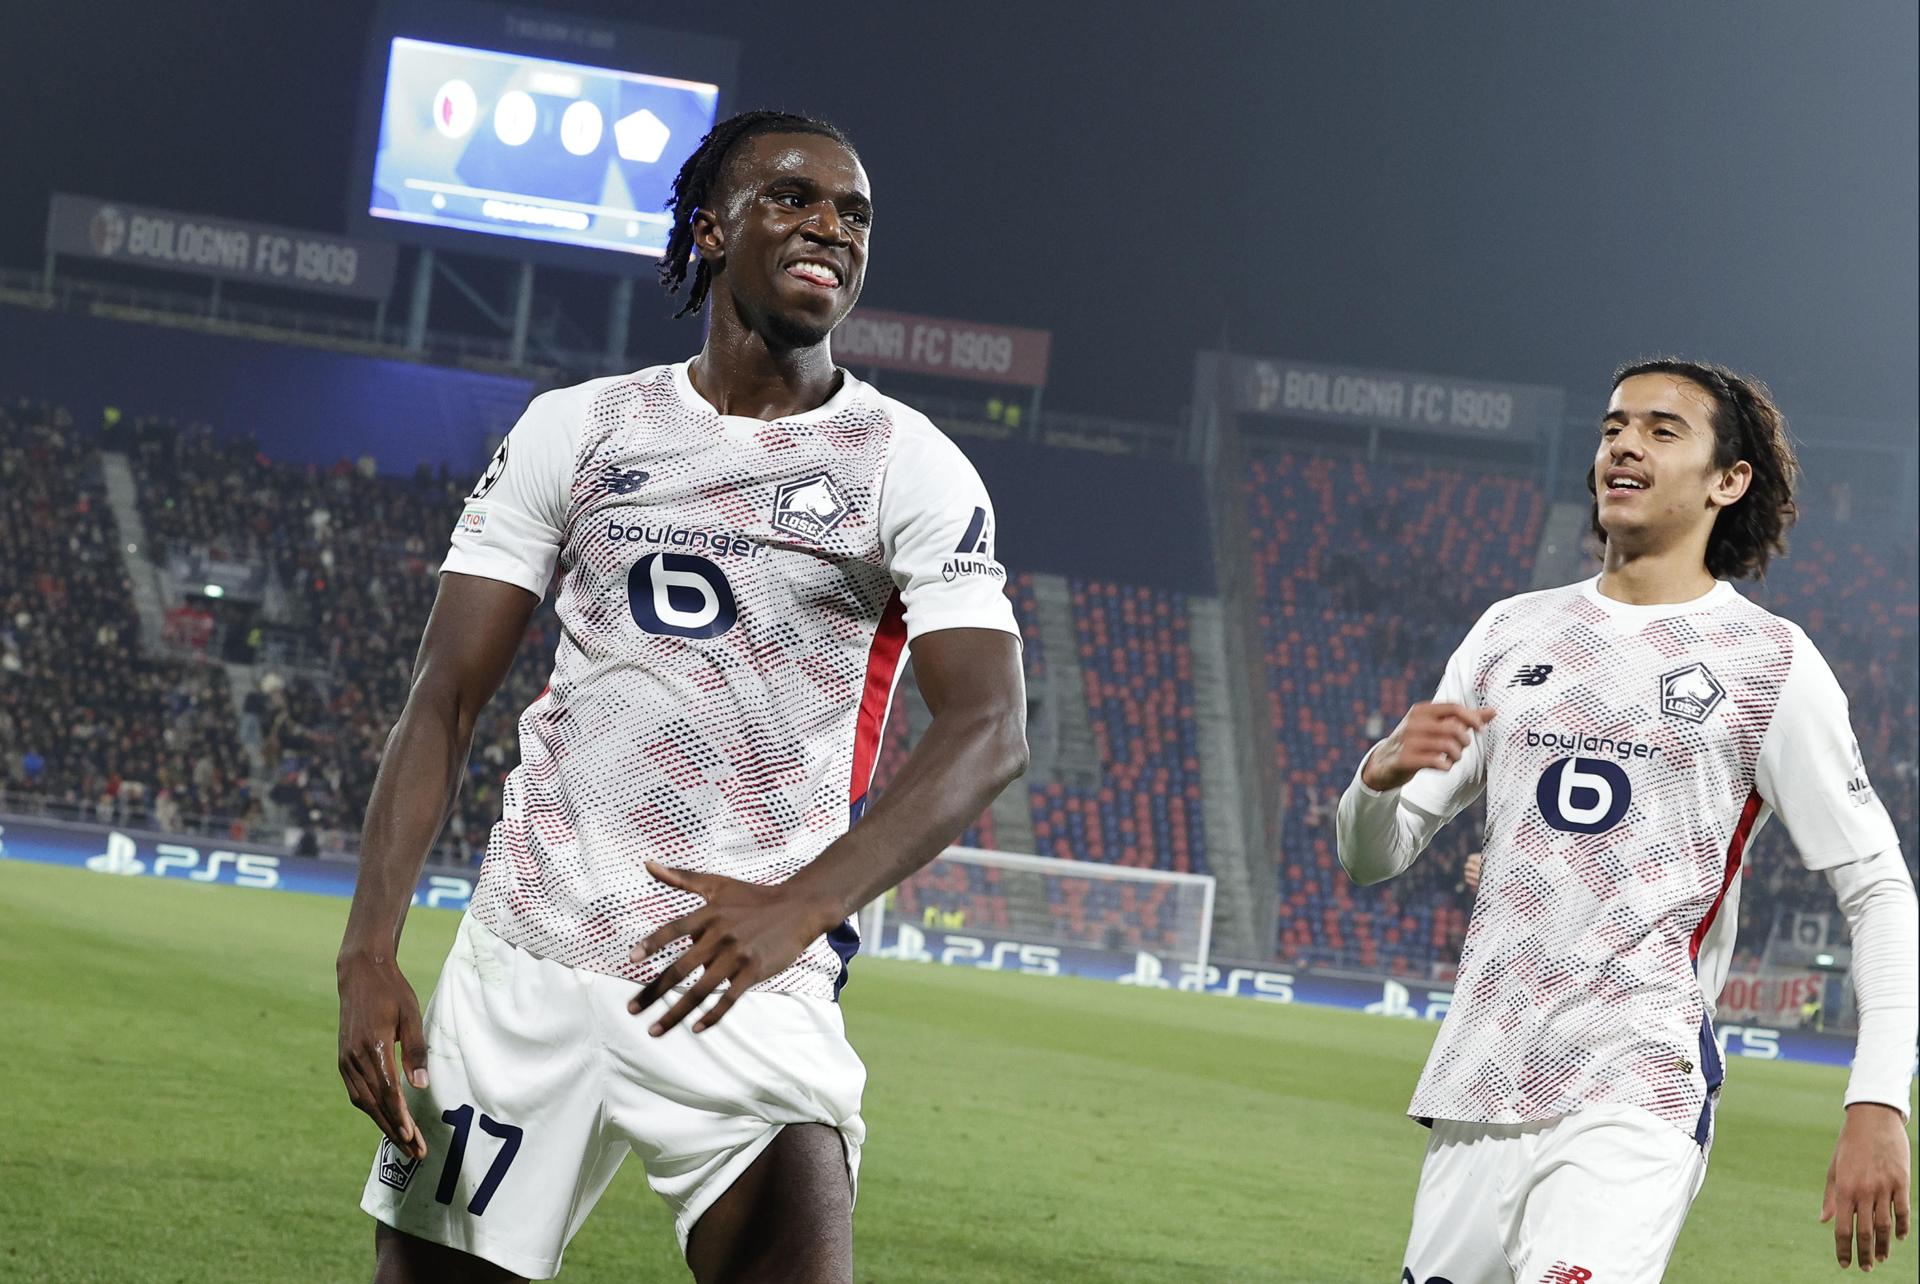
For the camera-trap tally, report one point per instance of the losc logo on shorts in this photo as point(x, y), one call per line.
point(396, 1169)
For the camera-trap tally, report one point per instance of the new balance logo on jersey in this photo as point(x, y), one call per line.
point(396, 1169)
point(979, 536)
point(622, 481)
point(1692, 693)
point(809, 508)
point(1531, 675)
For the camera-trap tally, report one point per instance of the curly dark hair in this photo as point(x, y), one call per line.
point(693, 188)
point(1746, 425)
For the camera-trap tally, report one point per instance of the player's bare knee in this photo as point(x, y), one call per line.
point(787, 1220)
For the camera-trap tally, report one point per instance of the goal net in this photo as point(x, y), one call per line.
point(1010, 912)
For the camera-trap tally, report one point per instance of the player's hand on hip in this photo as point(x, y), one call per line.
point(1867, 1185)
point(379, 1017)
point(745, 933)
point(1431, 735)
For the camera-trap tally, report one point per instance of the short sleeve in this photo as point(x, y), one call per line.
point(1811, 772)
point(1445, 794)
point(937, 535)
point(511, 525)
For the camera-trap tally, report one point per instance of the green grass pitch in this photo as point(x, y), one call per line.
point(172, 1113)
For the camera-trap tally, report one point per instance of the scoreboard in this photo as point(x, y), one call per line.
point(518, 132)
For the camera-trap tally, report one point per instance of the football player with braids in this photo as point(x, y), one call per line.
point(747, 543)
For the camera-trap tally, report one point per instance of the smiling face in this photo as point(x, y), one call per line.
point(788, 241)
point(1655, 480)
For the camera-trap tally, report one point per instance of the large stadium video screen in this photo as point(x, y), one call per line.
point(518, 145)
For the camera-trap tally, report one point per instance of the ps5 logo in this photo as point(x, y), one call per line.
point(121, 857)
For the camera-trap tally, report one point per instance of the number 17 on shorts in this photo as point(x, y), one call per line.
point(397, 1170)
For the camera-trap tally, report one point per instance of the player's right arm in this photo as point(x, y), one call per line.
point(469, 645)
point(1416, 780)
point(503, 556)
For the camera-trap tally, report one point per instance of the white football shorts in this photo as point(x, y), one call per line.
point(1596, 1196)
point(540, 1083)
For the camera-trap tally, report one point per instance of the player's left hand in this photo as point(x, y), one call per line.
point(745, 933)
point(1867, 1185)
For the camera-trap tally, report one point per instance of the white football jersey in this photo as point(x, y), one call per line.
point(1636, 752)
point(735, 597)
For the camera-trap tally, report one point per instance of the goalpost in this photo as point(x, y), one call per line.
point(1011, 912)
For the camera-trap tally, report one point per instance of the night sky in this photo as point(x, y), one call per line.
point(1505, 190)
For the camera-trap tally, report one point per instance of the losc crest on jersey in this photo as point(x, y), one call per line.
point(810, 507)
point(1692, 693)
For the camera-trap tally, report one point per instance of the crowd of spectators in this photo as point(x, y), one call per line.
point(351, 560)
point(90, 727)
point(1366, 576)
point(1853, 588)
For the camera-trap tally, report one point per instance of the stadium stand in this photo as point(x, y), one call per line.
point(90, 728)
point(1138, 677)
point(1367, 576)
point(1852, 587)
point(354, 557)
point(1144, 811)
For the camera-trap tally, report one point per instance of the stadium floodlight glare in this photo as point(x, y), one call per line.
point(1016, 912)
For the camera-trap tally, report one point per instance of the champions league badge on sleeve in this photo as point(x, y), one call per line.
point(495, 466)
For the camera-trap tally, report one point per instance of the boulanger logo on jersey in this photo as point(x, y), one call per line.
point(1610, 746)
point(1692, 693)
point(679, 595)
point(810, 507)
point(1583, 795)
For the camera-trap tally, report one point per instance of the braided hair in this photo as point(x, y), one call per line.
point(693, 187)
